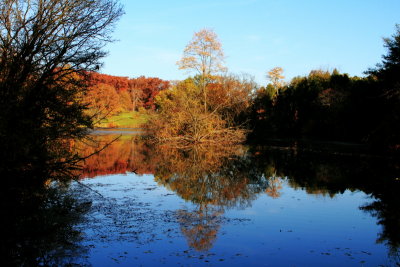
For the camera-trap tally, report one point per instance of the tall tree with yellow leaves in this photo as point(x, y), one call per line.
point(203, 55)
point(276, 78)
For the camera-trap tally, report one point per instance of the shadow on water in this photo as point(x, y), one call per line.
point(218, 179)
point(40, 214)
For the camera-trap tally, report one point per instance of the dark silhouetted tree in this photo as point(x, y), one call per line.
point(387, 76)
point(47, 49)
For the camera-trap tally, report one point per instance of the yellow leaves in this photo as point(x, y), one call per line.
point(203, 54)
point(187, 63)
point(188, 113)
point(275, 74)
point(276, 78)
point(182, 117)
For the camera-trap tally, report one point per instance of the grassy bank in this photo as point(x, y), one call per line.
point(125, 120)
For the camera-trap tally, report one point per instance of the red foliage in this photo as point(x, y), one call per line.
point(119, 83)
point(149, 88)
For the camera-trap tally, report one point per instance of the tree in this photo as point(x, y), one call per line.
point(231, 96)
point(48, 48)
point(135, 93)
point(391, 61)
point(188, 113)
point(143, 91)
point(276, 77)
point(182, 119)
point(119, 83)
point(387, 76)
point(203, 55)
point(102, 100)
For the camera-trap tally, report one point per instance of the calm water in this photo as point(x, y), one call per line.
point(235, 206)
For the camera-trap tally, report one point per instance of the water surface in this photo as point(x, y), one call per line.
point(235, 206)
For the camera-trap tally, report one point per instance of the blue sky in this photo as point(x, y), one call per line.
point(256, 35)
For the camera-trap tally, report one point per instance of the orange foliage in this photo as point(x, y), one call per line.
point(102, 100)
point(119, 157)
point(122, 93)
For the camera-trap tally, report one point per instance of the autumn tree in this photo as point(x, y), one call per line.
point(108, 94)
point(276, 78)
point(135, 94)
point(125, 103)
point(143, 91)
point(204, 108)
point(204, 56)
point(230, 96)
point(102, 101)
point(181, 116)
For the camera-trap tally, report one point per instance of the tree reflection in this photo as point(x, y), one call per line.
point(207, 175)
point(213, 178)
point(275, 185)
point(200, 227)
point(328, 174)
point(388, 215)
point(41, 215)
point(118, 155)
point(218, 178)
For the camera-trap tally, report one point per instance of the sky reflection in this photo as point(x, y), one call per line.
point(200, 207)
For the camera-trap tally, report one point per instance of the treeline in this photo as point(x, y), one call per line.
point(215, 107)
point(329, 106)
point(219, 108)
point(109, 95)
point(332, 106)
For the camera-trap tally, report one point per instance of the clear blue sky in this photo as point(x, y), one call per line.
point(256, 35)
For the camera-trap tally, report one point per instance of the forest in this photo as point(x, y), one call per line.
point(214, 106)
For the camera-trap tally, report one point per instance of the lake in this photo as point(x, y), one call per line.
point(234, 206)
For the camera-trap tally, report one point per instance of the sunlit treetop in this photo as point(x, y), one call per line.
point(203, 54)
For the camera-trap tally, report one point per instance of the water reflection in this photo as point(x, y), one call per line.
point(217, 176)
point(328, 174)
point(220, 178)
point(212, 178)
point(200, 226)
point(119, 154)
